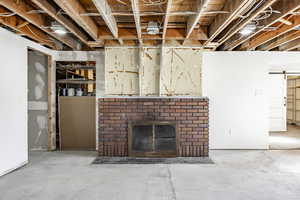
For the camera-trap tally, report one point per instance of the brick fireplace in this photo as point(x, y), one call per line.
point(188, 115)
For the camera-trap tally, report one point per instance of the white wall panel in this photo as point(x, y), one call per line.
point(236, 84)
point(13, 99)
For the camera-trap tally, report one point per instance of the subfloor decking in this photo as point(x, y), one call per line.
point(285, 140)
point(236, 175)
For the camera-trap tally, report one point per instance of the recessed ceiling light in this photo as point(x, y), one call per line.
point(60, 32)
point(59, 29)
point(248, 29)
point(246, 32)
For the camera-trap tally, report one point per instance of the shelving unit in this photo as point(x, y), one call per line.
point(77, 75)
point(293, 100)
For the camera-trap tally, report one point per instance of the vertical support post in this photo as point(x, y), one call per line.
point(51, 105)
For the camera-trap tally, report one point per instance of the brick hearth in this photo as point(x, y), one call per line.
point(190, 115)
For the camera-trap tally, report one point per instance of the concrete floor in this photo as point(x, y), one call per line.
point(236, 175)
point(285, 140)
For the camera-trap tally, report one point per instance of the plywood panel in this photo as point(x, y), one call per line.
point(181, 72)
point(77, 123)
point(121, 71)
point(153, 71)
point(149, 72)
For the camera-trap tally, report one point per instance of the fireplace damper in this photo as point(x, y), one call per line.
point(152, 139)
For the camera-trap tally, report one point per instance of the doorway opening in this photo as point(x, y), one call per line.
point(76, 105)
point(284, 99)
point(39, 100)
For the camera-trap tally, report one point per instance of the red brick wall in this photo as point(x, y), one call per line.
point(190, 115)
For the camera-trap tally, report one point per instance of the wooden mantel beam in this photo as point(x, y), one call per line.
point(53, 12)
point(137, 18)
point(21, 9)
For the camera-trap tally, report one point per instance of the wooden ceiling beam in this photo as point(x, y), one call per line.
point(150, 13)
point(166, 20)
point(26, 29)
point(293, 35)
point(171, 34)
point(194, 19)
point(249, 19)
point(106, 13)
point(220, 22)
point(282, 6)
point(270, 35)
point(137, 18)
point(54, 13)
point(73, 9)
point(21, 9)
point(291, 45)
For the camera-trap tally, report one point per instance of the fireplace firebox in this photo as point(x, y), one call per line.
point(152, 139)
point(153, 127)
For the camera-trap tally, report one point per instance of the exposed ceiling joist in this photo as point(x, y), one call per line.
point(284, 8)
point(291, 45)
point(26, 29)
point(171, 34)
point(286, 22)
point(193, 20)
point(21, 8)
point(137, 18)
point(73, 9)
point(54, 13)
point(235, 8)
point(106, 13)
point(96, 44)
point(215, 24)
point(281, 40)
point(177, 13)
point(179, 34)
point(166, 20)
point(230, 35)
point(270, 35)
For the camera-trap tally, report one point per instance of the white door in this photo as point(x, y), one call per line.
point(277, 100)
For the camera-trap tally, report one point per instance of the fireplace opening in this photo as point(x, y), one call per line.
point(152, 139)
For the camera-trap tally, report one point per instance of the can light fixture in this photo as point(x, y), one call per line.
point(58, 28)
point(248, 29)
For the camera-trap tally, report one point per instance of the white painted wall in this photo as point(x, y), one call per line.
point(236, 84)
point(13, 100)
